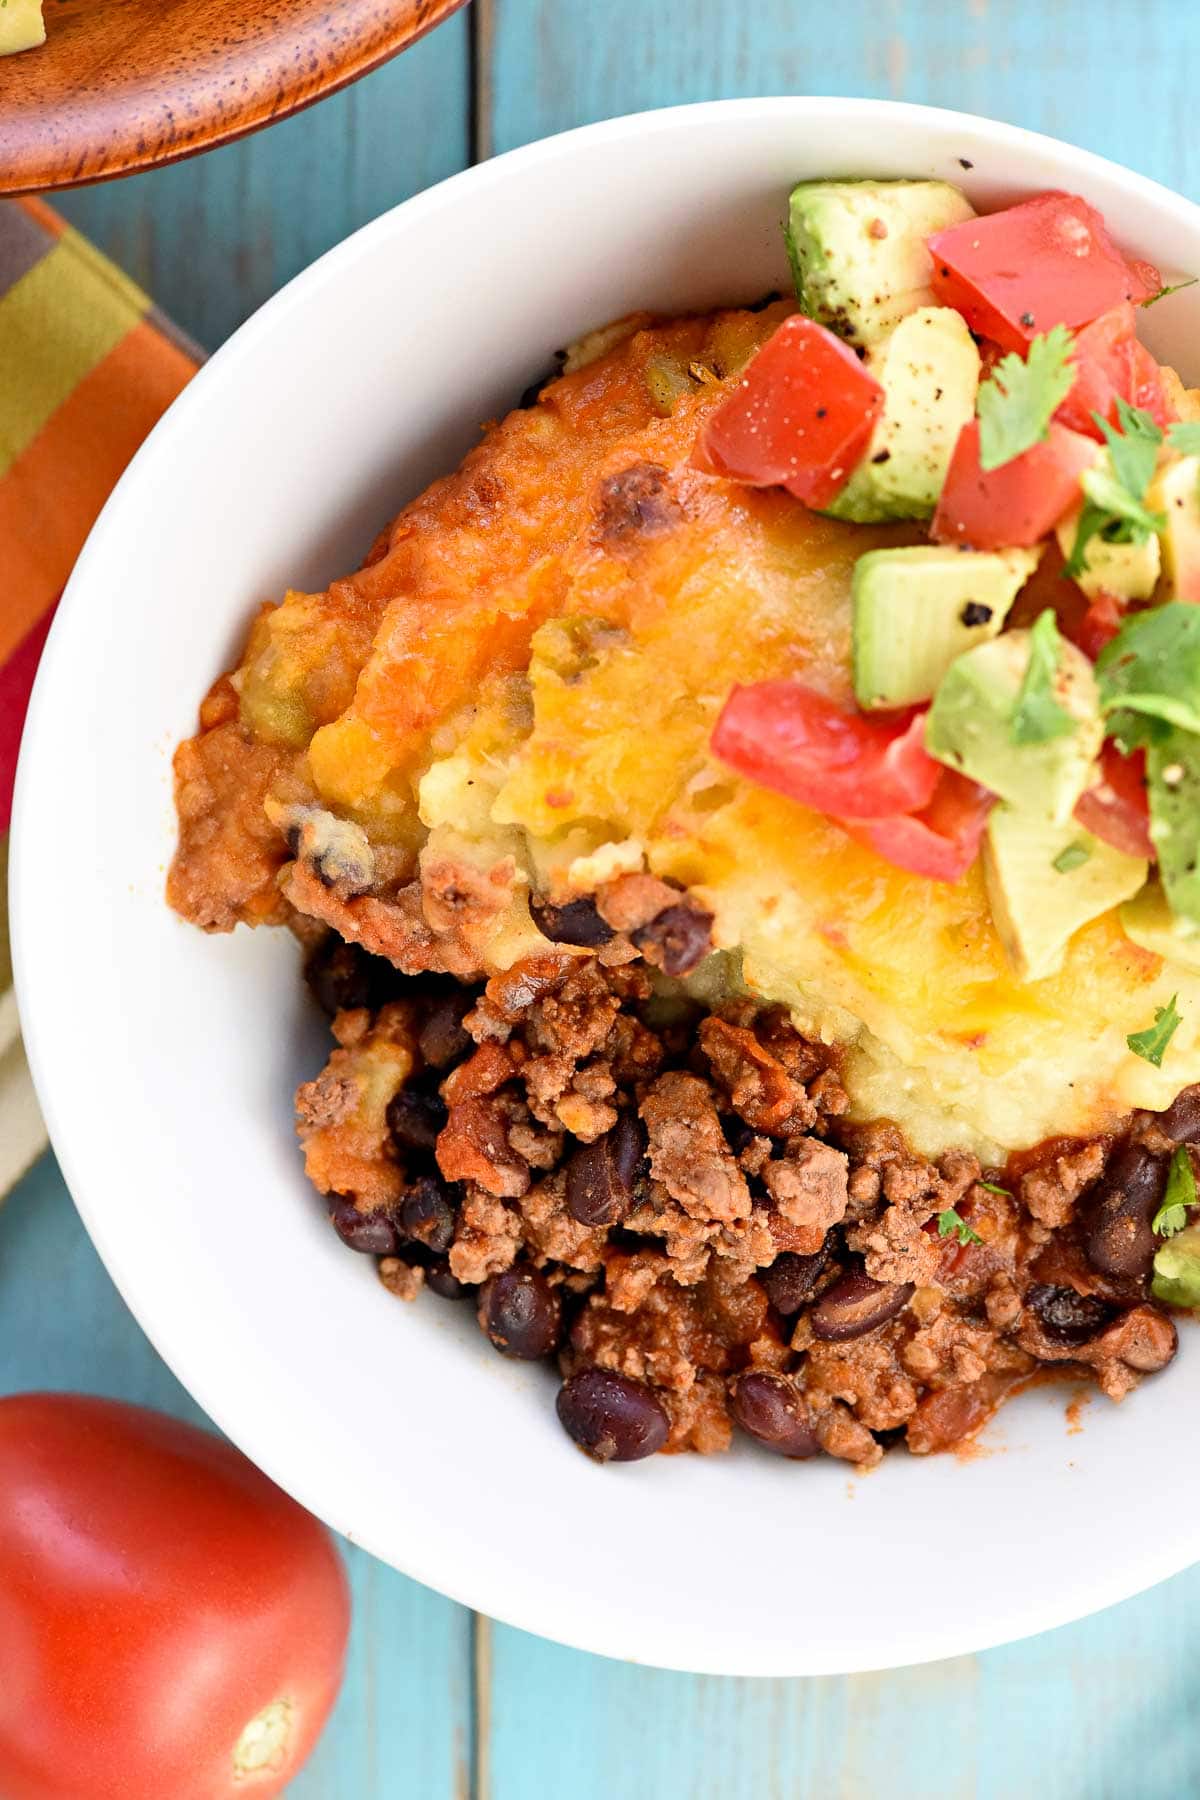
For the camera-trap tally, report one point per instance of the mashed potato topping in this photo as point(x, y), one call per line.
point(517, 692)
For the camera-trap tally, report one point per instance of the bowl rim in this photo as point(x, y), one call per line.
point(1172, 1548)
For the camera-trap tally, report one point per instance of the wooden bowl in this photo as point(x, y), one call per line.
point(121, 85)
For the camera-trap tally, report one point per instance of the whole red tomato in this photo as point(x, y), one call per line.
point(172, 1626)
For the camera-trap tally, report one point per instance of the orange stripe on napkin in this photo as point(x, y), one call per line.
point(43, 215)
point(51, 494)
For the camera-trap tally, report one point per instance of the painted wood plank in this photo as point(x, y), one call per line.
point(403, 1722)
point(1102, 1710)
point(1118, 78)
point(213, 238)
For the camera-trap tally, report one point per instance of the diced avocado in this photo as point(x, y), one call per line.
point(929, 371)
point(1130, 571)
point(1175, 491)
point(1177, 1269)
point(918, 608)
point(1148, 921)
point(21, 26)
point(1045, 881)
point(858, 250)
point(971, 726)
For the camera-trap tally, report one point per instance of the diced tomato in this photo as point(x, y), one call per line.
point(800, 417)
point(1147, 385)
point(942, 841)
point(1050, 261)
point(786, 736)
point(1099, 624)
point(1117, 809)
point(1112, 365)
point(1015, 504)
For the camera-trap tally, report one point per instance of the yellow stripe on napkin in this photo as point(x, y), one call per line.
point(56, 323)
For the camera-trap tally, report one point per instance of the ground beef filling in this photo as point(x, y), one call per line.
point(670, 1203)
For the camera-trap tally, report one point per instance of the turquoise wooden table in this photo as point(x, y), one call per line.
point(439, 1704)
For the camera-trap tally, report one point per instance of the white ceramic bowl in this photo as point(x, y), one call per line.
point(166, 1060)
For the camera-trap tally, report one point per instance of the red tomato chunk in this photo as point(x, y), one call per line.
point(1112, 365)
point(1016, 504)
point(940, 842)
point(800, 417)
point(1117, 809)
point(786, 736)
point(1099, 624)
point(1049, 261)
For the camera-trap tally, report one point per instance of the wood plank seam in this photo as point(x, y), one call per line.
point(480, 1710)
point(481, 134)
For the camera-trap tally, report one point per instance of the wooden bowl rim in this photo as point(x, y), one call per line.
point(86, 143)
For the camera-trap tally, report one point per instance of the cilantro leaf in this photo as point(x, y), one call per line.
point(1174, 287)
point(1152, 667)
point(990, 1187)
point(1184, 436)
point(1073, 857)
point(1173, 790)
point(1115, 487)
point(1094, 521)
point(1149, 681)
point(949, 1224)
point(1180, 1194)
point(1134, 448)
point(1121, 506)
point(1038, 717)
point(1016, 404)
point(1151, 1044)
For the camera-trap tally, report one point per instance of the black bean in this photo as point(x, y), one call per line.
point(441, 1281)
point(601, 1176)
point(612, 1417)
point(675, 941)
point(426, 1216)
point(1067, 1317)
point(340, 975)
point(856, 1304)
point(529, 395)
point(442, 1038)
point(1181, 1121)
point(738, 1135)
point(521, 1314)
point(791, 1278)
point(771, 1409)
point(1118, 1239)
point(576, 923)
point(373, 1233)
point(415, 1116)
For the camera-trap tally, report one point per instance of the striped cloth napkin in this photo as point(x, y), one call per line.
point(87, 364)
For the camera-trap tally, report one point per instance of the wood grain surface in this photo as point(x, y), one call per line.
point(121, 85)
point(438, 1707)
